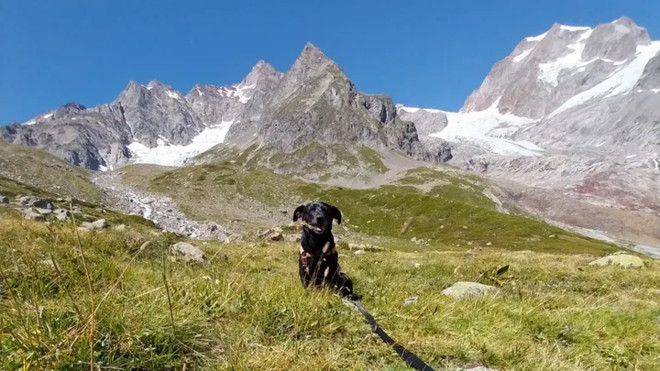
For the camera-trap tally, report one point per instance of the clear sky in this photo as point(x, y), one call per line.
point(422, 53)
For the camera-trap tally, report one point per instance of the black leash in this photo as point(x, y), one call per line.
point(411, 359)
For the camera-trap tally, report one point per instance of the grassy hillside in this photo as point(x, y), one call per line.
point(91, 211)
point(315, 161)
point(446, 208)
point(247, 310)
point(40, 169)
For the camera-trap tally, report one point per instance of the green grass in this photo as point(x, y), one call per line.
point(13, 189)
point(372, 158)
point(247, 310)
point(40, 169)
point(454, 213)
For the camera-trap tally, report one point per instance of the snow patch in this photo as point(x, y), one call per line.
point(631, 156)
point(619, 82)
point(240, 91)
point(549, 72)
point(655, 91)
point(410, 109)
point(522, 55)
point(175, 155)
point(537, 38)
point(31, 122)
point(174, 95)
point(621, 28)
point(480, 128)
point(574, 28)
point(103, 168)
point(416, 109)
point(48, 115)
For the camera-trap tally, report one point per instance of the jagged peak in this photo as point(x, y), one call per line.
point(74, 105)
point(626, 21)
point(157, 84)
point(262, 70)
point(312, 51)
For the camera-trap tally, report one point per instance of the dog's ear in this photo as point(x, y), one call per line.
point(297, 214)
point(336, 214)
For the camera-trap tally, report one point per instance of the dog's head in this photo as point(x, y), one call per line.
point(317, 216)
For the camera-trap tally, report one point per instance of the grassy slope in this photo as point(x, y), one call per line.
point(246, 310)
point(40, 169)
point(91, 211)
point(452, 213)
point(313, 161)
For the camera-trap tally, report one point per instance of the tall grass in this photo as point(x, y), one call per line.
point(247, 309)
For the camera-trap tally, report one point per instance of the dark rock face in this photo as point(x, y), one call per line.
point(316, 102)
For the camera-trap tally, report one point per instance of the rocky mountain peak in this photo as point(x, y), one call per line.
point(68, 109)
point(615, 41)
point(316, 102)
point(262, 74)
point(544, 72)
point(155, 84)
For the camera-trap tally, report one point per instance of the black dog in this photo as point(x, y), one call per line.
point(318, 263)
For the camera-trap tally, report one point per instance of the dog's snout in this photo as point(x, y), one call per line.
point(319, 220)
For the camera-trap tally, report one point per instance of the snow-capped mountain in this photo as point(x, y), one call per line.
point(574, 112)
point(145, 124)
point(313, 102)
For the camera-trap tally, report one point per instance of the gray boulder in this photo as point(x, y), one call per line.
point(32, 201)
point(475, 367)
point(30, 214)
point(411, 300)
point(61, 214)
point(100, 224)
point(469, 289)
point(43, 211)
point(620, 259)
point(86, 226)
point(274, 234)
point(4, 199)
point(188, 253)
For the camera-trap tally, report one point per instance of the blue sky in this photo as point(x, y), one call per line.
point(422, 53)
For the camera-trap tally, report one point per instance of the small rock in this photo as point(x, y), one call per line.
point(30, 214)
point(411, 300)
point(475, 367)
point(61, 214)
point(120, 227)
point(86, 226)
point(43, 211)
point(465, 227)
point(469, 289)
point(365, 247)
point(552, 236)
point(417, 265)
point(42, 203)
point(359, 252)
point(275, 236)
point(620, 259)
point(4, 199)
point(285, 212)
point(489, 243)
point(49, 263)
point(100, 224)
point(188, 252)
